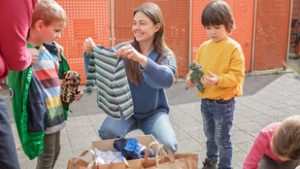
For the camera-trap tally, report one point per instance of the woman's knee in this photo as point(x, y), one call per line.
point(174, 146)
point(171, 142)
point(107, 133)
point(111, 128)
point(164, 132)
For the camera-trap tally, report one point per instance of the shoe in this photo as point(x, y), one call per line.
point(210, 164)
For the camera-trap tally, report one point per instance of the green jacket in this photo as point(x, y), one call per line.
point(19, 82)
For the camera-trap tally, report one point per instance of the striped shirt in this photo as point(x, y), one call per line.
point(108, 73)
point(46, 70)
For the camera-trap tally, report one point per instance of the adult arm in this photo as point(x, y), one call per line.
point(14, 29)
point(157, 75)
point(160, 75)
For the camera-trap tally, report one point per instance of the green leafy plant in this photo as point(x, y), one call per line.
point(196, 75)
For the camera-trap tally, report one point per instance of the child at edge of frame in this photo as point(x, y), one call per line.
point(277, 146)
point(48, 21)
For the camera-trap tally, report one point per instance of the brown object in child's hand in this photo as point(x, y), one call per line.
point(69, 86)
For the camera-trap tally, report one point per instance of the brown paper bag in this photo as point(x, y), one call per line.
point(80, 163)
point(162, 160)
point(169, 160)
point(75, 163)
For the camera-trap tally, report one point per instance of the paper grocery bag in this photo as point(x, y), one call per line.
point(80, 163)
point(169, 160)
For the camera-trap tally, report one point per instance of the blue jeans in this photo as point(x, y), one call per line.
point(8, 154)
point(217, 120)
point(157, 124)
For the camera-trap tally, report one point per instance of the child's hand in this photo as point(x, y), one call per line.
point(34, 55)
point(78, 95)
point(88, 45)
point(189, 84)
point(209, 79)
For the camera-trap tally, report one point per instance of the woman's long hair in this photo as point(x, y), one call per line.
point(153, 12)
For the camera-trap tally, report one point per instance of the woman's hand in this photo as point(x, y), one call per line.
point(88, 45)
point(209, 79)
point(130, 52)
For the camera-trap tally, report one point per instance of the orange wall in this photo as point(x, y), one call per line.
point(86, 18)
point(271, 36)
point(92, 18)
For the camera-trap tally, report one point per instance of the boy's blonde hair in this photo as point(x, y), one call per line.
point(48, 11)
point(286, 138)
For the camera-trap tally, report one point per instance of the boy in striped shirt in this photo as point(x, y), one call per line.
point(49, 19)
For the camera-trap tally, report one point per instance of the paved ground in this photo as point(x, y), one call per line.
point(268, 98)
point(294, 64)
